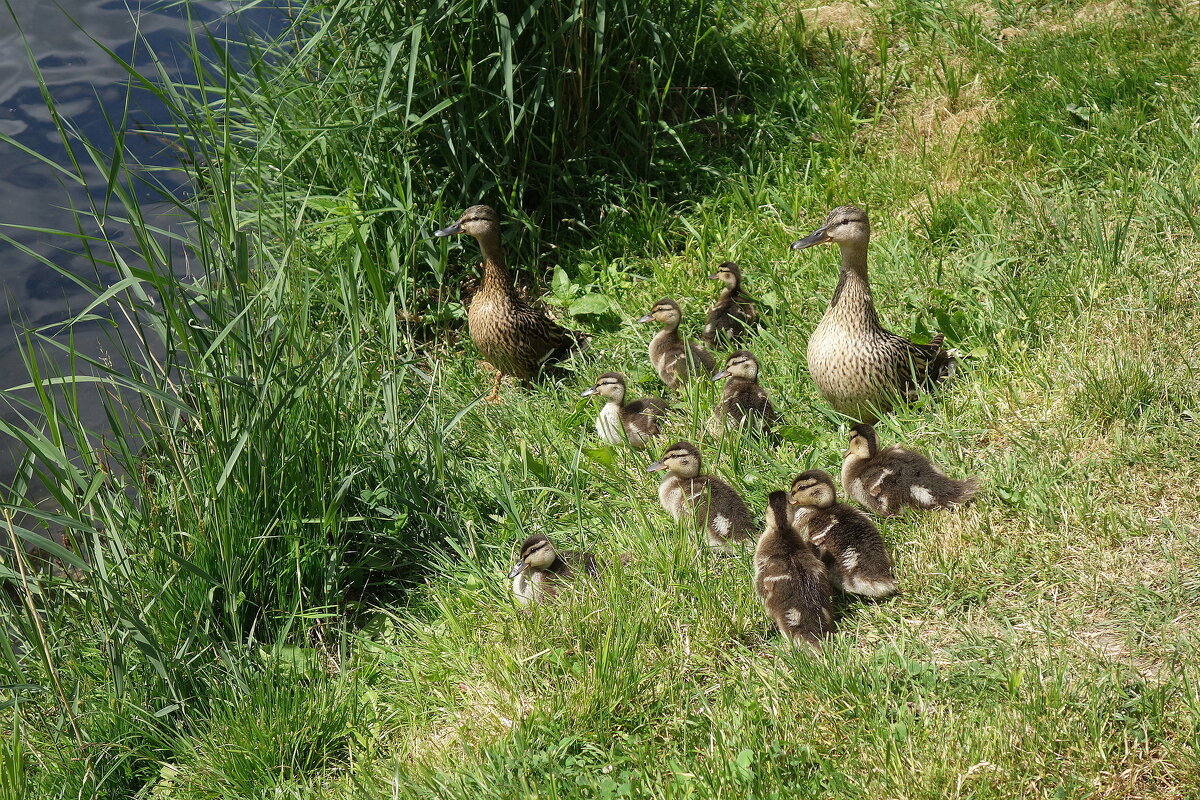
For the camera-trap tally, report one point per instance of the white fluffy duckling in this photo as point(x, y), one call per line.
point(542, 571)
point(619, 422)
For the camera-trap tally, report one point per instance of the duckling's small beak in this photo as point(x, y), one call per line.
point(647, 318)
point(722, 375)
point(589, 392)
point(517, 569)
point(819, 236)
point(449, 230)
point(847, 454)
point(716, 276)
point(656, 466)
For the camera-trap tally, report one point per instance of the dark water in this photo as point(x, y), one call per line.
point(84, 81)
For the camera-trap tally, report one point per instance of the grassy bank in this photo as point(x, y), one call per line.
point(296, 589)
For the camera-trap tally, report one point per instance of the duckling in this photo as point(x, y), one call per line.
point(743, 399)
point(673, 356)
point(713, 505)
point(541, 571)
point(620, 422)
point(791, 579)
point(859, 366)
point(887, 480)
point(733, 314)
point(515, 339)
point(847, 540)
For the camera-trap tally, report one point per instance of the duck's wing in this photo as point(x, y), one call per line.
point(650, 406)
point(702, 358)
point(923, 366)
point(547, 337)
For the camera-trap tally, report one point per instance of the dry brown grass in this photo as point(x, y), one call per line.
point(849, 19)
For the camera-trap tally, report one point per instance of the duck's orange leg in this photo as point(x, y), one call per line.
point(494, 397)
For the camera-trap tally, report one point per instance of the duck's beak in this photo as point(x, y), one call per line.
point(819, 236)
point(656, 466)
point(517, 569)
point(847, 453)
point(715, 276)
point(589, 392)
point(722, 375)
point(449, 230)
point(647, 318)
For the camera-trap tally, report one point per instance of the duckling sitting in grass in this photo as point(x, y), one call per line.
point(541, 571)
point(620, 422)
point(674, 357)
point(743, 399)
point(887, 480)
point(514, 338)
point(734, 314)
point(709, 503)
point(847, 540)
point(790, 578)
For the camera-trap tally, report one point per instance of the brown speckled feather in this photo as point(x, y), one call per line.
point(744, 400)
point(514, 338)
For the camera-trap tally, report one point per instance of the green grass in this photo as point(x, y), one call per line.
point(296, 588)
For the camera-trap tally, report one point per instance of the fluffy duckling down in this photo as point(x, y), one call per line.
point(885, 481)
point(847, 540)
point(674, 357)
point(743, 400)
point(734, 314)
point(791, 579)
point(619, 422)
point(541, 571)
point(708, 503)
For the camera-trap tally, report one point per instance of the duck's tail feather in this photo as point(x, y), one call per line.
point(940, 362)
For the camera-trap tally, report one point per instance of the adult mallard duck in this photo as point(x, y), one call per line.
point(733, 314)
point(861, 367)
point(515, 339)
point(887, 480)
